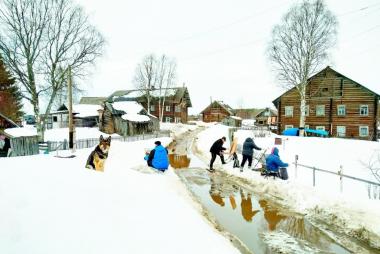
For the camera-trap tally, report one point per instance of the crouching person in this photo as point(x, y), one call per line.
point(275, 166)
point(158, 157)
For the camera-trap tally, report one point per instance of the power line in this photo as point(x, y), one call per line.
point(358, 10)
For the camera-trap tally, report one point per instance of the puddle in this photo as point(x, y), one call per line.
point(259, 223)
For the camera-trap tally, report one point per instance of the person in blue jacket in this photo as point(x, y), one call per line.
point(273, 161)
point(158, 157)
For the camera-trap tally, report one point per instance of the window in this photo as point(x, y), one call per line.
point(306, 110)
point(320, 128)
point(341, 110)
point(266, 113)
point(320, 110)
point(168, 119)
point(288, 126)
point(341, 131)
point(177, 119)
point(152, 108)
point(55, 119)
point(288, 110)
point(307, 126)
point(363, 131)
point(177, 108)
point(364, 110)
point(167, 108)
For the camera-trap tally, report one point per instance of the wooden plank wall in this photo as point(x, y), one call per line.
point(331, 90)
point(22, 146)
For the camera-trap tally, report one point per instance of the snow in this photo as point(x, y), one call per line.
point(21, 132)
point(236, 117)
point(136, 117)
point(86, 110)
point(351, 210)
point(59, 134)
point(155, 93)
point(54, 205)
point(177, 129)
point(129, 107)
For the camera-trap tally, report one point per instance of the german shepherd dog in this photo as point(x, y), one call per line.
point(99, 155)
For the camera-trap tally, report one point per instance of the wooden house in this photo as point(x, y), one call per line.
point(266, 117)
point(176, 102)
point(85, 115)
point(247, 113)
point(126, 118)
point(216, 112)
point(334, 103)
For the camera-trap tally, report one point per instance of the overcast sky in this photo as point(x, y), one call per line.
point(220, 45)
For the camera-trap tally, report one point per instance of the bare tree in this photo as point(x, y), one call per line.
point(145, 77)
point(300, 44)
point(39, 40)
point(155, 75)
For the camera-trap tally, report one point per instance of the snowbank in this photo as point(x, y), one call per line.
point(52, 205)
point(177, 129)
point(351, 211)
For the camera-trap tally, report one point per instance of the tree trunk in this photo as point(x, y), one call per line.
point(302, 110)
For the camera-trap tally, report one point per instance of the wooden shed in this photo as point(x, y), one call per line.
point(216, 112)
point(126, 118)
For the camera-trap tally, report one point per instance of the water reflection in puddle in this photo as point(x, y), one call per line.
point(179, 161)
point(259, 224)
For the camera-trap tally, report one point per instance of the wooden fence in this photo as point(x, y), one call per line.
point(22, 146)
point(373, 187)
point(87, 143)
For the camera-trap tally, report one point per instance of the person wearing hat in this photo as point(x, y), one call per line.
point(158, 157)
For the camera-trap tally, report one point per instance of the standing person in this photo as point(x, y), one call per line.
point(158, 157)
point(248, 147)
point(217, 149)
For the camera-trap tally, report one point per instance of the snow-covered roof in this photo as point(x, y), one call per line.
point(236, 117)
point(21, 132)
point(136, 117)
point(129, 107)
point(133, 111)
point(86, 110)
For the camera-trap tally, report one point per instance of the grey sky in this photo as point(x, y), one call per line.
point(220, 45)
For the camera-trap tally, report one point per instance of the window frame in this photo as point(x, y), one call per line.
point(341, 106)
point(177, 108)
point(337, 132)
point(287, 108)
point(319, 107)
point(288, 126)
point(320, 128)
point(367, 110)
point(366, 127)
point(152, 108)
point(168, 118)
point(168, 107)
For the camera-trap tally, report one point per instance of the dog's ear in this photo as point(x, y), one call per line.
point(101, 138)
point(109, 139)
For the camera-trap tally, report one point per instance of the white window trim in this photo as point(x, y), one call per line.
point(167, 108)
point(168, 119)
point(288, 126)
point(338, 134)
point(318, 128)
point(177, 108)
point(337, 109)
point(177, 119)
point(290, 108)
point(152, 107)
point(360, 110)
point(366, 127)
point(316, 110)
point(307, 110)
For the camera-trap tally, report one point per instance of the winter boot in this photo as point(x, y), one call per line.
point(241, 169)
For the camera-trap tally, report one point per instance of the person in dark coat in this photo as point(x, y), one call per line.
point(248, 147)
point(217, 149)
point(158, 157)
point(273, 161)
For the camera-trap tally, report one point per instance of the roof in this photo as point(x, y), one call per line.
point(253, 111)
point(80, 110)
point(174, 93)
point(129, 110)
point(222, 105)
point(325, 69)
point(92, 100)
point(272, 112)
point(9, 120)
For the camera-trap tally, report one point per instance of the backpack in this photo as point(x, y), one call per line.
point(283, 174)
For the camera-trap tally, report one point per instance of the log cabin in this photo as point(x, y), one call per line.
point(334, 103)
point(217, 111)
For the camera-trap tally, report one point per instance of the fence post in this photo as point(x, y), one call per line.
point(340, 172)
point(313, 176)
point(296, 165)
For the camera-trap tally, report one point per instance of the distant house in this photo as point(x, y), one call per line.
point(126, 118)
point(216, 112)
point(334, 103)
point(177, 102)
point(92, 100)
point(247, 113)
point(266, 117)
point(85, 115)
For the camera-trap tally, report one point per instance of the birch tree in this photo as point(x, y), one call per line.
point(300, 44)
point(39, 39)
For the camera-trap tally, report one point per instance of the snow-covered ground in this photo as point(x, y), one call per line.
point(351, 211)
point(55, 205)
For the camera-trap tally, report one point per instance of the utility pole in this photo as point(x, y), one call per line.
point(71, 120)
